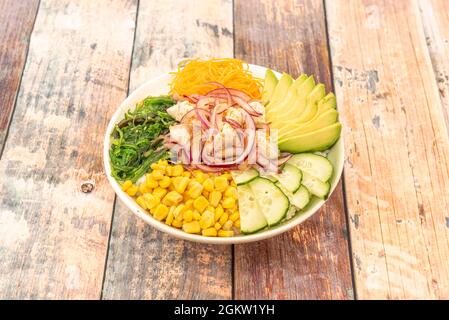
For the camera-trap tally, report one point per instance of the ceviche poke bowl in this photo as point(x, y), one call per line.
point(225, 152)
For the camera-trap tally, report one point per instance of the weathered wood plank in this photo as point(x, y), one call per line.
point(397, 177)
point(311, 261)
point(53, 237)
point(16, 19)
point(144, 263)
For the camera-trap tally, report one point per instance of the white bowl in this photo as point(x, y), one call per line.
point(158, 86)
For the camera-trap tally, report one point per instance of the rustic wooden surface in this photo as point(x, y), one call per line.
point(144, 263)
point(312, 260)
point(396, 174)
point(70, 64)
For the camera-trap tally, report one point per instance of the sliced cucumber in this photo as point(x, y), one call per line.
point(272, 201)
point(251, 217)
point(243, 177)
point(270, 177)
point(315, 186)
point(313, 164)
point(290, 178)
point(299, 199)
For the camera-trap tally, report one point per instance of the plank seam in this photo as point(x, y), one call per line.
point(2, 148)
point(233, 246)
point(343, 185)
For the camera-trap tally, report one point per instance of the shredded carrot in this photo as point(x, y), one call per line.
point(194, 75)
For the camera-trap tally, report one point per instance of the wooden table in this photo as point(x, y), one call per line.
point(66, 66)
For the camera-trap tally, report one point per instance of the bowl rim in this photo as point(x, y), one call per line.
point(179, 234)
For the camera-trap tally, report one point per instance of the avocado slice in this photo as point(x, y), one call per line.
point(312, 103)
point(269, 85)
point(281, 89)
point(318, 140)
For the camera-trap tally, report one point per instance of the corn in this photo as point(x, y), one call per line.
point(223, 218)
point(195, 189)
point(157, 174)
point(225, 233)
point(208, 184)
point(217, 226)
point(132, 190)
point(171, 187)
point(201, 176)
point(172, 198)
point(143, 188)
point(196, 215)
point(185, 197)
point(126, 185)
point(227, 225)
point(231, 192)
point(178, 212)
point(228, 203)
point(141, 202)
point(168, 171)
point(191, 227)
point(165, 182)
point(180, 183)
point(235, 216)
point(205, 193)
point(150, 182)
point(210, 232)
point(210, 208)
point(207, 220)
point(186, 174)
point(161, 212)
point(177, 223)
point(214, 198)
point(189, 204)
point(220, 183)
point(188, 216)
point(170, 216)
point(200, 203)
point(218, 212)
point(237, 224)
point(177, 170)
point(159, 192)
point(158, 166)
point(233, 183)
point(228, 176)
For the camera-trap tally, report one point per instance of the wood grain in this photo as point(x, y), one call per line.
point(16, 19)
point(397, 173)
point(144, 263)
point(311, 261)
point(53, 237)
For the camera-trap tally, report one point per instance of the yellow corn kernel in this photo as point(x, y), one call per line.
point(170, 216)
point(169, 171)
point(171, 187)
point(195, 189)
point(150, 182)
point(177, 223)
point(126, 185)
point(172, 198)
point(159, 192)
point(161, 212)
point(165, 182)
point(214, 198)
point(178, 212)
point(237, 224)
point(150, 200)
point(207, 220)
point(227, 176)
point(231, 192)
point(200, 203)
point(189, 204)
point(218, 212)
point(210, 208)
point(177, 170)
point(196, 215)
point(186, 174)
point(208, 185)
point(157, 174)
point(141, 202)
point(201, 176)
point(209, 232)
point(235, 216)
point(158, 166)
point(143, 188)
point(227, 225)
point(205, 193)
point(217, 226)
point(233, 183)
point(191, 227)
point(180, 183)
point(223, 218)
point(220, 183)
point(228, 203)
point(188, 216)
point(132, 191)
point(163, 163)
point(225, 233)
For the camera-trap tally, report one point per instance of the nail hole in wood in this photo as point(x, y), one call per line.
point(87, 186)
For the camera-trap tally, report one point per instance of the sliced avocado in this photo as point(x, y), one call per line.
point(318, 140)
point(312, 103)
point(269, 85)
point(321, 121)
point(281, 89)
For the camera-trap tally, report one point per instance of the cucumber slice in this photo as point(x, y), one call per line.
point(313, 164)
point(315, 186)
point(251, 217)
point(272, 201)
point(243, 177)
point(290, 178)
point(299, 199)
point(270, 177)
